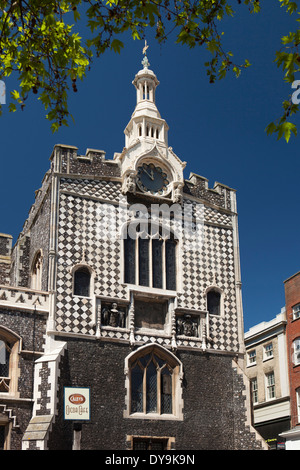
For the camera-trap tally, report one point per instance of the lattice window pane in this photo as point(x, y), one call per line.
point(137, 390)
point(151, 388)
point(2, 437)
point(166, 391)
point(140, 445)
point(157, 263)
point(170, 264)
point(4, 359)
point(129, 253)
point(143, 262)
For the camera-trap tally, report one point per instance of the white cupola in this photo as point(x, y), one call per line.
point(146, 122)
point(146, 142)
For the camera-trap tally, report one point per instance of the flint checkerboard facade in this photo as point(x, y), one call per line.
point(64, 339)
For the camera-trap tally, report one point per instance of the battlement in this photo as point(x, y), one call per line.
point(66, 159)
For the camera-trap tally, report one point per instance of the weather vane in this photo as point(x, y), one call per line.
point(145, 47)
point(145, 61)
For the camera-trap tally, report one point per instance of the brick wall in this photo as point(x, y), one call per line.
point(292, 297)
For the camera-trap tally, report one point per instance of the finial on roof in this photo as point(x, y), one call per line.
point(145, 61)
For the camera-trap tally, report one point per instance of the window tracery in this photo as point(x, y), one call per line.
point(150, 257)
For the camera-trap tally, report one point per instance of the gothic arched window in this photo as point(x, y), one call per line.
point(214, 302)
point(36, 271)
point(9, 349)
point(82, 282)
point(154, 376)
point(5, 351)
point(150, 258)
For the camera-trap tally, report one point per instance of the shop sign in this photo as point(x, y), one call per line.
point(77, 403)
point(280, 446)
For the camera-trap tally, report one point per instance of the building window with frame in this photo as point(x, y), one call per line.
point(298, 403)
point(36, 271)
point(2, 437)
point(82, 281)
point(213, 297)
point(149, 443)
point(9, 358)
point(5, 352)
point(296, 355)
point(154, 384)
point(296, 311)
point(270, 386)
point(254, 390)
point(150, 257)
point(268, 351)
point(251, 357)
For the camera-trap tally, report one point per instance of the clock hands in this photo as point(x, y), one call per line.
point(150, 176)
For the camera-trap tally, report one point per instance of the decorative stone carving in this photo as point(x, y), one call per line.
point(113, 316)
point(177, 193)
point(129, 184)
point(186, 326)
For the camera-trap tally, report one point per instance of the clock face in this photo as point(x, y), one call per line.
point(152, 179)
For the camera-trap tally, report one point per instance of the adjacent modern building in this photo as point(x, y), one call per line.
point(267, 369)
point(121, 322)
point(292, 300)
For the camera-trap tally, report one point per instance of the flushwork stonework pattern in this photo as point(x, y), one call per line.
point(151, 325)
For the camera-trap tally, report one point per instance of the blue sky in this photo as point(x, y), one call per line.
point(219, 130)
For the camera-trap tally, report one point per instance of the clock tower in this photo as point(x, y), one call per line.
point(148, 165)
point(124, 286)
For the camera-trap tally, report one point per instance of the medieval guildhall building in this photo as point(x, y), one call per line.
point(121, 324)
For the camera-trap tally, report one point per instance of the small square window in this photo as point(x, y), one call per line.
point(296, 311)
point(268, 351)
point(252, 357)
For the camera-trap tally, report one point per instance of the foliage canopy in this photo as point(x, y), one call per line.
point(38, 44)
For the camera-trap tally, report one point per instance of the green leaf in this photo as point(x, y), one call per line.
point(271, 128)
point(12, 107)
point(116, 45)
